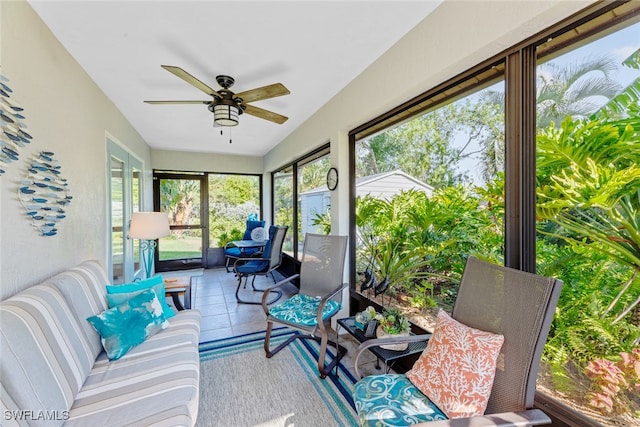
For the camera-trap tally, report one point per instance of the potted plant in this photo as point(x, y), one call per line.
point(363, 318)
point(392, 323)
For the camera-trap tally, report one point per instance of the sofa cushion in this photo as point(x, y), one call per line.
point(45, 361)
point(84, 290)
point(155, 383)
point(130, 323)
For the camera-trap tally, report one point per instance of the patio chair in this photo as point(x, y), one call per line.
point(516, 305)
point(318, 300)
point(232, 252)
point(261, 264)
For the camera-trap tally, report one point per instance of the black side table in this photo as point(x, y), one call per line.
point(389, 357)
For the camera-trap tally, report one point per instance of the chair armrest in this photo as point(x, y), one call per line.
point(390, 340)
point(265, 296)
point(326, 298)
point(530, 417)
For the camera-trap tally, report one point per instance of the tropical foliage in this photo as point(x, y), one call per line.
point(588, 208)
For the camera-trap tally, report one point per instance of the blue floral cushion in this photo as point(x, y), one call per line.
point(117, 294)
point(302, 310)
point(392, 400)
point(129, 324)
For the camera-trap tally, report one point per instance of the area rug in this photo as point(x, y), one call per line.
point(239, 386)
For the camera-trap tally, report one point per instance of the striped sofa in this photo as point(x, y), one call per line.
point(54, 371)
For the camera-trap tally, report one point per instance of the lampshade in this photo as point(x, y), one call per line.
point(225, 115)
point(149, 225)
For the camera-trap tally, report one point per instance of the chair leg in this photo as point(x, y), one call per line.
point(340, 352)
point(276, 293)
point(267, 350)
point(323, 369)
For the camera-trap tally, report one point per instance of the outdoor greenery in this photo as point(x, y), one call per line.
point(232, 198)
point(588, 190)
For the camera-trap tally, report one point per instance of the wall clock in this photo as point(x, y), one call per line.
point(332, 179)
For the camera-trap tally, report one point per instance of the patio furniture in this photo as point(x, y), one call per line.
point(232, 251)
point(318, 300)
point(261, 264)
point(388, 357)
point(176, 286)
point(493, 300)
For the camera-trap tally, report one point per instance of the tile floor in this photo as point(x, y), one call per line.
point(213, 293)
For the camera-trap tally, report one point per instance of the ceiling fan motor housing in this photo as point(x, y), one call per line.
point(225, 81)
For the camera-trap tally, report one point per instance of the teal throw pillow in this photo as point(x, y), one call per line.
point(126, 325)
point(117, 294)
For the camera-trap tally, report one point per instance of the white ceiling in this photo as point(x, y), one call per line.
point(314, 48)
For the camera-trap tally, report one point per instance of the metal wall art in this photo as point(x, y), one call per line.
point(45, 194)
point(13, 135)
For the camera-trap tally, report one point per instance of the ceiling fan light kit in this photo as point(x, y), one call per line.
point(225, 115)
point(226, 105)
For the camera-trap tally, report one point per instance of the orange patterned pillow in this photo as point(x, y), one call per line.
point(457, 368)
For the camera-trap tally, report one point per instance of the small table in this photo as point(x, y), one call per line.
point(176, 286)
point(247, 244)
point(389, 357)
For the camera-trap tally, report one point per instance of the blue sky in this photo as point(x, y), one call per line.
point(619, 45)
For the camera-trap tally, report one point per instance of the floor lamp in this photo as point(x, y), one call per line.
point(148, 227)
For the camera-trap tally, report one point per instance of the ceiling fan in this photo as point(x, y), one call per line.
point(226, 105)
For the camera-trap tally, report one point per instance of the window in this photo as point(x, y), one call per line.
point(301, 199)
point(588, 205)
point(206, 211)
point(232, 199)
point(569, 192)
point(429, 192)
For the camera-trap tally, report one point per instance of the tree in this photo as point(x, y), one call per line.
point(576, 90)
point(180, 197)
point(431, 146)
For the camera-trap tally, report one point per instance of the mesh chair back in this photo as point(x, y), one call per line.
point(322, 264)
point(276, 239)
point(518, 305)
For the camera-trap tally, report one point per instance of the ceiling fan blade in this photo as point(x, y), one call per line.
point(264, 114)
point(190, 79)
point(178, 102)
point(265, 92)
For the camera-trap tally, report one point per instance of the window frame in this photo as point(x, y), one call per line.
point(322, 151)
point(204, 203)
point(520, 65)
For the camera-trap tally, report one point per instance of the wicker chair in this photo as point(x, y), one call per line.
point(318, 300)
point(492, 298)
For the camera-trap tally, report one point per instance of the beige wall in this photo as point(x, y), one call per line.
point(205, 162)
point(67, 114)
